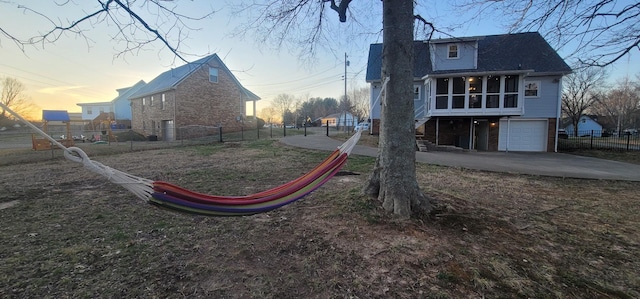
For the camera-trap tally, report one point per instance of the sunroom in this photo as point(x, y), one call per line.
point(475, 94)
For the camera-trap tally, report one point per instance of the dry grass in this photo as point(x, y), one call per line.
point(67, 233)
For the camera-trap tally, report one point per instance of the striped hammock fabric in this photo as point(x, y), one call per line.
point(177, 198)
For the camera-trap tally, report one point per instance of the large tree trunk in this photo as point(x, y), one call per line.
point(393, 180)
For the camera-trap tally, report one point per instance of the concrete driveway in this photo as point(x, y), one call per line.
point(545, 164)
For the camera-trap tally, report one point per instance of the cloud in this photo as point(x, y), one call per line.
point(58, 89)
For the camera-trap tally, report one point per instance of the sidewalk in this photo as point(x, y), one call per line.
point(545, 164)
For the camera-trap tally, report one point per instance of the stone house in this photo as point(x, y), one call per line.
point(200, 94)
point(486, 93)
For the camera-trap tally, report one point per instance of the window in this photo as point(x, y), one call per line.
point(475, 92)
point(511, 91)
point(442, 93)
point(458, 93)
point(452, 51)
point(493, 92)
point(213, 75)
point(151, 103)
point(89, 110)
point(144, 102)
point(416, 92)
point(531, 89)
point(162, 103)
point(478, 92)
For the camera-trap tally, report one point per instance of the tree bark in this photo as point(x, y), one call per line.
point(393, 180)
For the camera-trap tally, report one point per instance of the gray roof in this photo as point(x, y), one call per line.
point(506, 52)
point(173, 77)
point(125, 93)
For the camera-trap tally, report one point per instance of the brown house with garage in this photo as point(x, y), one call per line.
point(191, 99)
point(486, 93)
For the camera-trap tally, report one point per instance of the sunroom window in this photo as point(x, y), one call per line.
point(442, 93)
point(475, 92)
point(511, 83)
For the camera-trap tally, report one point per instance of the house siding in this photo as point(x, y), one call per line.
point(586, 125)
point(546, 104)
point(95, 110)
point(466, 54)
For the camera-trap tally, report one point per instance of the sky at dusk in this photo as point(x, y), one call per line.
point(74, 70)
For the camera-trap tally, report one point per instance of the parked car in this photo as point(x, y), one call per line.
point(361, 126)
point(562, 134)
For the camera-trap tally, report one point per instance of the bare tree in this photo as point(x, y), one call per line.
point(270, 115)
point(393, 181)
point(579, 93)
point(601, 31)
point(13, 96)
point(360, 98)
point(620, 104)
point(282, 104)
point(134, 28)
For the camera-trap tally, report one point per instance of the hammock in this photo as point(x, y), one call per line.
point(176, 198)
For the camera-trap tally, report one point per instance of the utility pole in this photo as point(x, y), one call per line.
point(346, 63)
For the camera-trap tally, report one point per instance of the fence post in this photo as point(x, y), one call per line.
point(305, 129)
point(591, 145)
point(327, 128)
point(284, 130)
point(271, 130)
point(220, 134)
point(241, 133)
point(258, 128)
point(628, 139)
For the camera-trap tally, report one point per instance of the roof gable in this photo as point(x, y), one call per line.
point(173, 77)
point(125, 93)
point(496, 53)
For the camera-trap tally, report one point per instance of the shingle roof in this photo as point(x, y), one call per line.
point(520, 51)
point(173, 77)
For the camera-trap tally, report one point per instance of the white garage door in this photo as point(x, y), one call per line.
point(523, 135)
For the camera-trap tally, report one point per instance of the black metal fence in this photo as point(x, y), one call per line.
point(599, 140)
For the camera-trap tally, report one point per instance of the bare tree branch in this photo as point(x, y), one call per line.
point(599, 32)
point(134, 30)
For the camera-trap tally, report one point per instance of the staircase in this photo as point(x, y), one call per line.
point(428, 146)
point(421, 121)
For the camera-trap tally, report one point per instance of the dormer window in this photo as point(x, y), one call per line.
point(452, 51)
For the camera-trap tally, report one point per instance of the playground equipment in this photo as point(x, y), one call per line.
point(49, 116)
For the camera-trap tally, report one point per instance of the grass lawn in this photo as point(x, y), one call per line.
point(67, 233)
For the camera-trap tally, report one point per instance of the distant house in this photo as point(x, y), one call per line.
point(202, 93)
point(339, 120)
point(487, 93)
point(118, 109)
point(587, 125)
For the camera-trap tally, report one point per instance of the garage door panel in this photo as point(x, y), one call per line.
point(523, 135)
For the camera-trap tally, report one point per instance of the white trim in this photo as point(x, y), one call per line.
point(559, 113)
